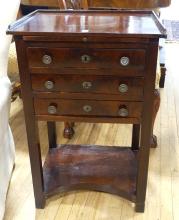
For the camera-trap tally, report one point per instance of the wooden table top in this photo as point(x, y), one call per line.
point(119, 22)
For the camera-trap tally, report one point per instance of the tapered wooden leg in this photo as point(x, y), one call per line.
point(143, 158)
point(35, 162)
point(140, 207)
point(51, 127)
point(146, 131)
point(136, 127)
point(31, 127)
point(68, 130)
point(155, 110)
point(135, 136)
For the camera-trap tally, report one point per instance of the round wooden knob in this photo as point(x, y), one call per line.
point(84, 39)
point(124, 61)
point(87, 108)
point(86, 85)
point(49, 84)
point(46, 59)
point(52, 109)
point(85, 58)
point(123, 88)
point(123, 112)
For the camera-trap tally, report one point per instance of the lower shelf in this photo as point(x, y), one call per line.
point(101, 168)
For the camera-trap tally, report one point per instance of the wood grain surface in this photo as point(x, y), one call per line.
point(93, 22)
point(70, 167)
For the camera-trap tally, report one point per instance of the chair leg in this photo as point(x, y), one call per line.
point(155, 110)
point(162, 77)
point(68, 130)
point(16, 91)
point(162, 66)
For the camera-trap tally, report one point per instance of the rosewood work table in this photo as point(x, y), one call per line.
point(88, 66)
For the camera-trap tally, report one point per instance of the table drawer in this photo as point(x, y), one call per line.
point(85, 58)
point(88, 108)
point(125, 88)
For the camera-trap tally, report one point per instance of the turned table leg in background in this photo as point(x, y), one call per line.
point(52, 137)
point(162, 66)
point(68, 130)
point(156, 106)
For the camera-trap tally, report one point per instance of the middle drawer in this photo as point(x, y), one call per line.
point(125, 88)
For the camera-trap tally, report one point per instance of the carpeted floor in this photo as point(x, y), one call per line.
point(172, 27)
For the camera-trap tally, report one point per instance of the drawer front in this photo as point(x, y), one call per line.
point(60, 58)
point(125, 88)
point(88, 108)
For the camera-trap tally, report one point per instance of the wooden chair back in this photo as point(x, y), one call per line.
point(73, 4)
point(125, 4)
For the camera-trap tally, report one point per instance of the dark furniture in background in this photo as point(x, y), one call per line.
point(89, 66)
point(162, 67)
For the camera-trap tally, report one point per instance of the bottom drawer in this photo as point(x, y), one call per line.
point(87, 108)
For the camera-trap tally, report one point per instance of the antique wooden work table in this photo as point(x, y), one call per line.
point(90, 66)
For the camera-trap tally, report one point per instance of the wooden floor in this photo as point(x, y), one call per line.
point(162, 202)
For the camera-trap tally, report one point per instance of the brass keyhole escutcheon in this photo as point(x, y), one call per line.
point(85, 58)
point(86, 85)
point(87, 108)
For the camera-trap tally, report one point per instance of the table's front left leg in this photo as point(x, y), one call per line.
point(35, 161)
point(31, 125)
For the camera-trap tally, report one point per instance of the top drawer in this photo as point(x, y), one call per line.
point(61, 60)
